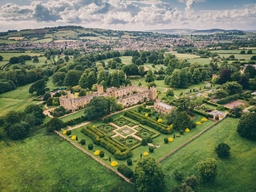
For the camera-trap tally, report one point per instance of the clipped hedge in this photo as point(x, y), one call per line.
point(120, 151)
point(126, 171)
point(228, 99)
point(76, 121)
point(201, 113)
point(149, 122)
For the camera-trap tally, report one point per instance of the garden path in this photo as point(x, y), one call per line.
point(92, 156)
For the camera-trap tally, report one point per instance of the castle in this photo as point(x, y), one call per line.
point(127, 96)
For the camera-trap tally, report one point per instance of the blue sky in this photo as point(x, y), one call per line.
point(129, 14)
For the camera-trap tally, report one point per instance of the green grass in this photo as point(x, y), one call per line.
point(236, 173)
point(6, 56)
point(73, 116)
point(48, 163)
point(16, 100)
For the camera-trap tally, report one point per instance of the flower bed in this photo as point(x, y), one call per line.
point(106, 128)
point(143, 132)
point(129, 141)
point(123, 121)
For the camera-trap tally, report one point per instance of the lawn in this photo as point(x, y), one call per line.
point(236, 173)
point(45, 162)
point(73, 115)
point(16, 100)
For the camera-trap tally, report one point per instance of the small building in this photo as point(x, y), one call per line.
point(163, 107)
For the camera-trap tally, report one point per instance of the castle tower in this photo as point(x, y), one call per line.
point(69, 94)
point(153, 93)
point(100, 89)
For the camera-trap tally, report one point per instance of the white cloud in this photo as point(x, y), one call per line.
point(124, 14)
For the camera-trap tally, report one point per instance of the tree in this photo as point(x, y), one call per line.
point(55, 124)
point(148, 175)
point(114, 81)
point(96, 108)
point(196, 76)
point(208, 169)
point(253, 57)
point(175, 78)
point(249, 52)
point(183, 78)
point(35, 60)
point(1, 58)
point(38, 87)
point(18, 130)
point(232, 88)
point(72, 77)
point(58, 78)
point(149, 76)
point(225, 76)
point(223, 150)
point(169, 92)
point(246, 127)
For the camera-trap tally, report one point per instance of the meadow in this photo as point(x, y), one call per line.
point(45, 162)
point(237, 173)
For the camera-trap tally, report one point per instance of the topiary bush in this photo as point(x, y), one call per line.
point(90, 146)
point(82, 142)
point(126, 171)
point(223, 150)
point(149, 140)
point(166, 140)
point(151, 149)
point(68, 132)
point(144, 142)
point(102, 154)
point(129, 162)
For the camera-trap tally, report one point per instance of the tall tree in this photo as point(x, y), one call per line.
point(58, 78)
point(149, 76)
point(196, 76)
point(148, 175)
point(208, 169)
point(72, 77)
point(175, 78)
point(246, 127)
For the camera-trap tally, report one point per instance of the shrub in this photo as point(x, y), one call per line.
point(90, 146)
point(149, 140)
point(144, 142)
point(178, 175)
point(126, 171)
point(101, 154)
point(129, 162)
point(82, 142)
point(68, 132)
point(166, 140)
point(151, 149)
point(223, 150)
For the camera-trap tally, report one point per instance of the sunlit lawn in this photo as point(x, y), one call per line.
point(48, 163)
point(236, 173)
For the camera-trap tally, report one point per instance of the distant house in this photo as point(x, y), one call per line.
point(163, 107)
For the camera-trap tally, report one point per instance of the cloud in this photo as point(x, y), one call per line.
point(124, 14)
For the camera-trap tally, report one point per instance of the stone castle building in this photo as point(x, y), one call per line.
point(162, 107)
point(127, 96)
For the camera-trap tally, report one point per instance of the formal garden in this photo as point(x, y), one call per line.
point(125, 137)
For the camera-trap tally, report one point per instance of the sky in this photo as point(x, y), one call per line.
point(129, 14)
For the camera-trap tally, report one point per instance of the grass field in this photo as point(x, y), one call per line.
point(73, 116)
point(48, 163)
point(236, 173)
point(16, 100)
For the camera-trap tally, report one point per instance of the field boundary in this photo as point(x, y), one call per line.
point(90, 155)
point(187, 142)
